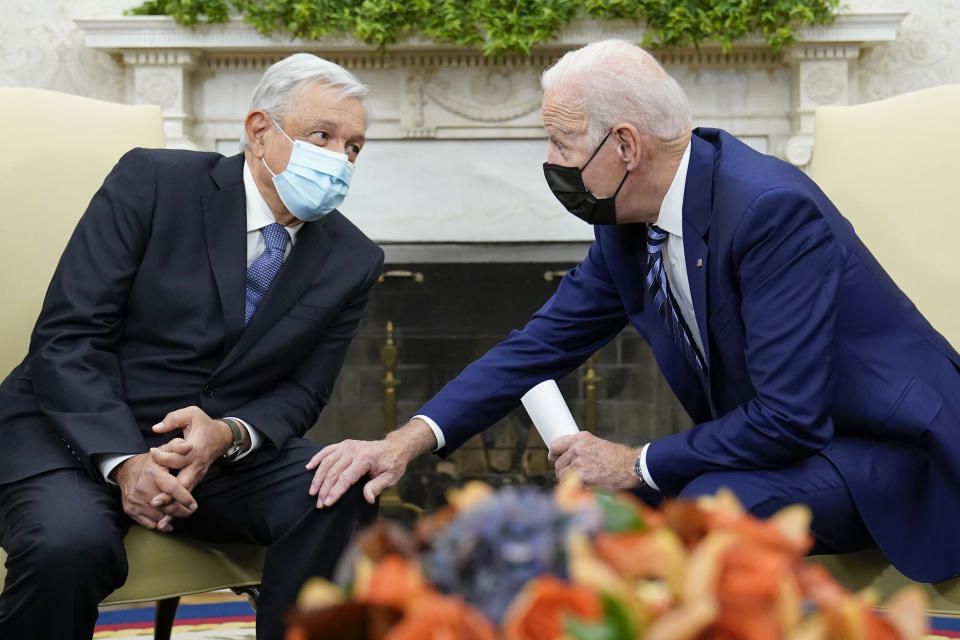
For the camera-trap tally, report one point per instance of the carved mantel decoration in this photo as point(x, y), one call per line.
point(478, 117)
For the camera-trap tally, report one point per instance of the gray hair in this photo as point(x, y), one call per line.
point(283, 81)
point(620, 82)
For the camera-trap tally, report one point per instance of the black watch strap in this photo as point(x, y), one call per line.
point(236, 447)
point(638, 471)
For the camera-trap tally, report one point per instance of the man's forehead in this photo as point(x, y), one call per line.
point(561, 112)
point(338, 115)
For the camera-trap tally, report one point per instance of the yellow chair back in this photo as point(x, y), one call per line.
point(57, 150)
point(892, 168)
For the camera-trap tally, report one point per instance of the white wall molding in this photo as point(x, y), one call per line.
point(456, 138)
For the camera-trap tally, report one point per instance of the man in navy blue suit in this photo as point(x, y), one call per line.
point(810, 376)
point(191, 334)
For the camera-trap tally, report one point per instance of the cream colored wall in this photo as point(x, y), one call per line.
point(41, 47)
point(925, 54)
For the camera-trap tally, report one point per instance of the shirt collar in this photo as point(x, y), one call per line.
point(670, 218)
point(258, 212)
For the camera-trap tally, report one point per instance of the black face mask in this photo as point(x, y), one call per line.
point(567, 184)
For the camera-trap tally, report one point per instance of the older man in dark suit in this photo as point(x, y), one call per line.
point(810, 376)
point(191, 334)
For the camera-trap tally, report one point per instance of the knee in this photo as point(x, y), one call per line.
point(706, 484)
point(58, 548)
point(754, 497)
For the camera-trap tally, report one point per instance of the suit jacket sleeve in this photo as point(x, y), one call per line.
point(294, 403)
point(75, 375)
point(583, 315)
point(788, 264)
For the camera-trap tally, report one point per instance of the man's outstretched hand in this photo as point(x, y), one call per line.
point(339, 466)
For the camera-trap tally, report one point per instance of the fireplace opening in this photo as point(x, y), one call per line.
point(427, 320)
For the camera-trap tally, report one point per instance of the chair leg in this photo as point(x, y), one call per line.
point(163, 618)
point(252, 593)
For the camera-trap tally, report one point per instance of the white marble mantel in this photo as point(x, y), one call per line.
point(456, 141)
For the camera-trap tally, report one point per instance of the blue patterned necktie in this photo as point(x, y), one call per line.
point(262, 271)
point(667, 307)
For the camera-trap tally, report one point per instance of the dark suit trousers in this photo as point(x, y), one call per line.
point(63, 534)
point(836, 526)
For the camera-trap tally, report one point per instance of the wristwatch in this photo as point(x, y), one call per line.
point(236, 447)
point(638, 471)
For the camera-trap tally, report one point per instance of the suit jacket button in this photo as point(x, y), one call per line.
point(207, 391)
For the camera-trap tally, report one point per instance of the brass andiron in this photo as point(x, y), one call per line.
point(590, 383)
point(401, 274)
point(550, 276)
point(389, 355)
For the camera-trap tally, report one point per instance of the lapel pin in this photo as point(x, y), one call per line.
point(699, 262)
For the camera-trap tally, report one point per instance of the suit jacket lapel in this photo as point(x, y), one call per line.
point(225, 229)
point(697, 209)
point(310, 251)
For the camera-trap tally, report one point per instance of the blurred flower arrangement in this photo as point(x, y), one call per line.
point(577, 564)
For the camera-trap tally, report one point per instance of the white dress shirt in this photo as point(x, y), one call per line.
point(258, 217)
point(670, 219)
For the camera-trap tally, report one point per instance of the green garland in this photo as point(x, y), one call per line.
point(501, 26)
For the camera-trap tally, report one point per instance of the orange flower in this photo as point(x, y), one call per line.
point(395, 582)
point(753, 582)
point(436, 617)
point(540, 610)
point(644, 554)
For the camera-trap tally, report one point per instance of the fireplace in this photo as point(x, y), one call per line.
point(434, 312)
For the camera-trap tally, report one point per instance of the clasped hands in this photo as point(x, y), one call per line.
point(156, 486)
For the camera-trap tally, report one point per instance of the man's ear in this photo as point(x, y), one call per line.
point(256, 125)
point(628, 145)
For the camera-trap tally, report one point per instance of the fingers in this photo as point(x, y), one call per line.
point(179, 446)
point(374, 487)
point(143, 514)
point(563, 462)
point(320, 455)
point(169, 459)
point(191, 475)
point(181, 503)
point(559, 446)
point(333, 477)
point(331, 456)
point(346, 479)
point(166, 524)
point(177, 420)
point(144, 522)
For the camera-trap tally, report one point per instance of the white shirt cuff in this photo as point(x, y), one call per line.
point(438, 434)
point(646, 472)
point(107, 462)
point(255, 438)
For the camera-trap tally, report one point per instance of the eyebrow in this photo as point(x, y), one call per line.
point(329, 124)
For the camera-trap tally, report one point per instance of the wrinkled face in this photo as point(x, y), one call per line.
point(570, 146)
point(319, 116)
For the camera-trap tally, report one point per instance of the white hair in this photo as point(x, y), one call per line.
point(283, 81)
point(618, 82)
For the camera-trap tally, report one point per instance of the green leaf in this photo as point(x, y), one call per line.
point(502, 26)
point(619, 515)
point(615, 624)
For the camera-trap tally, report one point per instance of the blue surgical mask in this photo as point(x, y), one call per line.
point(315, 181)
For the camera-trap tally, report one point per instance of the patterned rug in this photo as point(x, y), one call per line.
point(212, 617)
point(224, 616)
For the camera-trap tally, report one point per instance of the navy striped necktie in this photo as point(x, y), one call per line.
point(263, 270)
point(667, 307)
